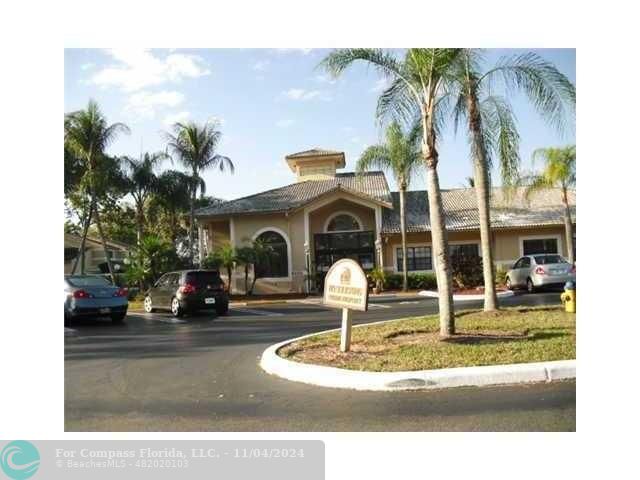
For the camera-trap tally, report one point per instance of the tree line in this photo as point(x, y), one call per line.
point(161, 222)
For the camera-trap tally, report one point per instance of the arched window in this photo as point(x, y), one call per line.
point(343, 223)
point(276, 262)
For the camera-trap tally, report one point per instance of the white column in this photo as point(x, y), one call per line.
point(232, 232)
point(379, 249)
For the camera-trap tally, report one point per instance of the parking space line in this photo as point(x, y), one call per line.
point(406, 302)
point(157, 318)
point(264, 313)
point(379, 305)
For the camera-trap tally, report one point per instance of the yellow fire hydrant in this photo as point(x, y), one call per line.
point(569, 297)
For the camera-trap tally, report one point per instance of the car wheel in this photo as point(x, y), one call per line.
point(176, 309)
point(118, 317)
point(530, 287)
point(148, 305)
point(222, 309)
point(508, 284)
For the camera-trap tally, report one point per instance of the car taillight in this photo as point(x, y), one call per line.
point(573, 269)
point(81, 294)
point(187, 288)
point(121, 292)
point(540, 271)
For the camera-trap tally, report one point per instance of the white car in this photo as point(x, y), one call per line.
point(542, 270)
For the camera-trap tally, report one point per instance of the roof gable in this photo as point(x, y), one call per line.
point(372, 185)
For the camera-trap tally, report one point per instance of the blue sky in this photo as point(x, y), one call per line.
point(270, 102)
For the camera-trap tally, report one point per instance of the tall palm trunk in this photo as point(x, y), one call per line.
point(403, 232)
point(104, 245)
point(568, 227)
point(139, 222)
point(83, 241)
point(481, 183)
point(192, 216)
point(438, 230)
point(229, 273)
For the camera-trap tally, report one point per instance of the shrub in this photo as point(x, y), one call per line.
point(466, 271)
point(425, 281)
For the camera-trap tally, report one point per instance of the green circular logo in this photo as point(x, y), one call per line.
point(19, 460)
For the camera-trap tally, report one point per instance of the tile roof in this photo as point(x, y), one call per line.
point(371, 184)
point(314, 152)
point(542, 208)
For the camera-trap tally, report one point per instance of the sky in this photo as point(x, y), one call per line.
point(269, 103)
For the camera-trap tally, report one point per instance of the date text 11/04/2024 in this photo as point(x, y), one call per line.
point(178, 453)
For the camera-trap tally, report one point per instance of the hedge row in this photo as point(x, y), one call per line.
point(426, 281)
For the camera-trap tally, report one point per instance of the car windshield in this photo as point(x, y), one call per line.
point(88, 281)
point(203, 278)
point(548, 259)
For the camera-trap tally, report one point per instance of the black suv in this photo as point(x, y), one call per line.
point(188, 291)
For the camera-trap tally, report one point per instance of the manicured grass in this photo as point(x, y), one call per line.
point(514, 335)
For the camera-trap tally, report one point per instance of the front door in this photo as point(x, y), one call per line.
point(331, 247)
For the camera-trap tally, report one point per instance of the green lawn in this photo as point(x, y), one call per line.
point(515, 335)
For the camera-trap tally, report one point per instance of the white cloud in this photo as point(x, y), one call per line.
point(260, 65)
point(303, 51)
point(137, 69)
point(176, 117)
point(380, 85)
point(145, 103)
point(324, 78)
point(285, 123)
point(304, 95)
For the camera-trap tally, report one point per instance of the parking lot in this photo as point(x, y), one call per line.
point(154, 372)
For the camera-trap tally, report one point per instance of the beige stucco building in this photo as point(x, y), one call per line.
point(325, 215)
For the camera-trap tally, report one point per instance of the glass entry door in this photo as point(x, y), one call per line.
point(331, 247)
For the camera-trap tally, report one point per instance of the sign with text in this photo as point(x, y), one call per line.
point(346, 286)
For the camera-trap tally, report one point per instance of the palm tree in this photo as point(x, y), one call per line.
point(173, 194)
point(142, 181)
point(492, 130)
point(87, 135)
point(418, 83)
point(227, 258)
point(246, 257)
point(559, 171)
point(400, 155)
point(195, 147)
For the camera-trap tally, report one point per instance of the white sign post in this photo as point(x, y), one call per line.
point(346, 287)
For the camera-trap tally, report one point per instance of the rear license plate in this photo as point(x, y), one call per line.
point(558, 272)
point(209, 300)
point(105, 310)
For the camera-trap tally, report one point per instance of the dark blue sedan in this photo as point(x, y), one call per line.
point(93, 296)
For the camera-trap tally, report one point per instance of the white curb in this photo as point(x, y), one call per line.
point(462, 298)
point(333, 377)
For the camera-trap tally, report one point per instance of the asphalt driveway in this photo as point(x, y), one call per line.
point(202, 374)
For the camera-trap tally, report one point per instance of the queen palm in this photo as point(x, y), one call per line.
point(401, 156)
point(173, 195)
point(492, 130)
point(141, 182)
point(559, 171)
point(195, 147)
point(418, 83)
point(87, 135)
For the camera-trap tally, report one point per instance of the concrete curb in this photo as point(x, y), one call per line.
point(462, 298)
point(333, 377)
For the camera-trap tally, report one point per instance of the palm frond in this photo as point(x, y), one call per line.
point(502, 136)
point(548, 89)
